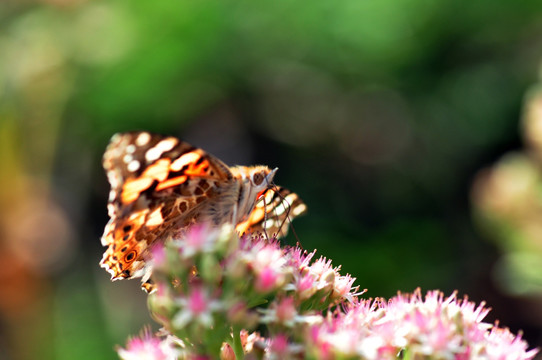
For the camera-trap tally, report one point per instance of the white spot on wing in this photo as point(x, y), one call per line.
point(138, 272)
point(113, 180)
point(152, 154)
point(290, 198)
point(269, 196)
point(299, 209)
point(166, 144)
point(143, 139)
point(154, 218)
point(115, 138)
point(160, 148)
point(127, 158)
point(268, 223)
point(130, 149)
point(280, 209)
point(133, 165)
point(184, 160)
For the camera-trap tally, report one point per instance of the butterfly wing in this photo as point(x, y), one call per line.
point(157, 185)
point(272, 213)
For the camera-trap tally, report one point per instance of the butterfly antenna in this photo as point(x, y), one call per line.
point(293, 232)
point(269, 185)
point(287, 217)
point(264, 217)
point(283, 198)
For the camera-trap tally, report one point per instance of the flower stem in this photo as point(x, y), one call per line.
point(237, 346)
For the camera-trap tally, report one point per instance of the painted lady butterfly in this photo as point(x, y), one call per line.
point(161, 185)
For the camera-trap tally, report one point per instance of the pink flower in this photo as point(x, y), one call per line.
point(325, 276)
point(285, 310)
point(503, 345)
point(267, 280)
point(279, 345)
point(305, 286)
point(299, 258)
point(281, 312)
point(343, 287)
point(199, 239)
point(158, 255)
point(268, 256)
point(148, 347)
point(196, 307)
point(267, 262)
point(321, 266)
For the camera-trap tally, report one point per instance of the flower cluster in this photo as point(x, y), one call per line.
point(212, 290)
point(409, 326)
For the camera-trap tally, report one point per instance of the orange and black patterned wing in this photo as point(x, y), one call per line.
point(272, 214)
point(157, 185)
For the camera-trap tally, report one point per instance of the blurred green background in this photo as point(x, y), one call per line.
point(380, 114)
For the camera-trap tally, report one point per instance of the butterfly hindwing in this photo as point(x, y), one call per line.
point(273, 212)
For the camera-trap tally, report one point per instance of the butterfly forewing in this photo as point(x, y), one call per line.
point(139, 162)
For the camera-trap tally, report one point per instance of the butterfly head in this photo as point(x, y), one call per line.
point(262, 177)
point(256, 177)
point(253, 181)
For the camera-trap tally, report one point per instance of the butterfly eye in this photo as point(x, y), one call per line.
point(257, 178)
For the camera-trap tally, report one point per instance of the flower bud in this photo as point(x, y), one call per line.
point(161, 304)
point(210, 269)
point(226, 352)
point(328, 282)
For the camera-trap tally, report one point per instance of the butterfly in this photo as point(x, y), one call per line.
point(160, 186)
